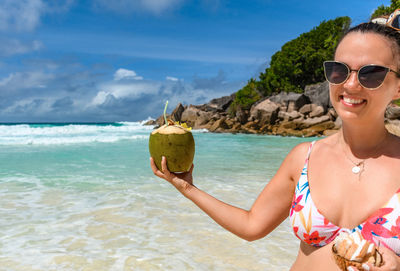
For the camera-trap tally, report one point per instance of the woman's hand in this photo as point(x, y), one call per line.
point(391, 262)
point(182, 181)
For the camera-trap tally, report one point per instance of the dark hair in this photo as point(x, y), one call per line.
point(391, 34)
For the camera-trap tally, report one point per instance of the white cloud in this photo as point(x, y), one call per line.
point(7, 80)
point(132, 90)
point(20, 15)
point(126, 74)
point(59, 95)
point(24, 15)
point(25, 80)
point(128, 6)
point(170, 78)
point(9, 47)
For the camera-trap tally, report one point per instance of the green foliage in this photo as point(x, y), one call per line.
point(381, 11)
point(395, 4)
point(246, 96)
point(386, 10)
point(297, 64)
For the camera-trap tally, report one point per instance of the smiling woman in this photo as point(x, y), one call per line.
point(347, 182)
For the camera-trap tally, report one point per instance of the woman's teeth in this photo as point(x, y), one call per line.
point(352, 101)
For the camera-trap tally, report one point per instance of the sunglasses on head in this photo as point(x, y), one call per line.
point(394, 20)
point(369, 76)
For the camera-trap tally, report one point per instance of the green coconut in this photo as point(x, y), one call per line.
point(174, 142)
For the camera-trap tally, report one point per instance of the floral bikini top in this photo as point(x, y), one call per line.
point(311, 227)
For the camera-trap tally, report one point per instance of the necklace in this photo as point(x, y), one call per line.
point(358, 167)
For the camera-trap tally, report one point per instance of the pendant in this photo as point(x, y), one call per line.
point(356, 169)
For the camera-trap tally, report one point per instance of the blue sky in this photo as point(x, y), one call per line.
point(120, 60)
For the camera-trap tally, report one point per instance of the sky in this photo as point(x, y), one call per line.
point(121, 60)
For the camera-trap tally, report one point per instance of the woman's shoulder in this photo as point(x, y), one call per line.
point(302, 150)
point(299, 153)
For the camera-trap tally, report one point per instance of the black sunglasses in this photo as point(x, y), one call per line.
point(369, 76)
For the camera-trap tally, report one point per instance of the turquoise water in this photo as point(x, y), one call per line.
point(83, 197)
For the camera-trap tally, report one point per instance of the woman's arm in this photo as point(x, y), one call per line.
point(268, 211)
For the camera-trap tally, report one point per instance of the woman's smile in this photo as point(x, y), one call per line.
point(351, 101)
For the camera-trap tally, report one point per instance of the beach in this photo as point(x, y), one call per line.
point(83, 197)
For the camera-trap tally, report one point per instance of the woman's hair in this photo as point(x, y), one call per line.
point(392, 35)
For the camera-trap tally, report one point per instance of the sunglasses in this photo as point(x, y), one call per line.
point(369, 76)
point(394, 20)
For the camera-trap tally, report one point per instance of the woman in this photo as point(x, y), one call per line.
point(342, 181)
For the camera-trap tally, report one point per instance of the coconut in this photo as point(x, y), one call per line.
point(174, 142)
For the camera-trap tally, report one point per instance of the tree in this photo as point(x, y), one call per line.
point(386, 10)
point(245, 97)
point(297, 64)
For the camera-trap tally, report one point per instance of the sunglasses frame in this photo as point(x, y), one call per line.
point(392, 17)
point(358, 73)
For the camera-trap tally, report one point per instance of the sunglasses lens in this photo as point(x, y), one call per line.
point(396, 22)
point(335, 72)
point(372, 76)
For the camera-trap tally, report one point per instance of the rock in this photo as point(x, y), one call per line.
point(252, 125)
point(289, 116)
point(283, 130)
point(150, 122)
point(292, 101)
point(332, 113)
point(219, 125)
point(329, 132)
point(308, 114)
point(318, 111)
point(195, 117)
point(392, 112)
point(321, 127)
point(202, 119)
point(241, 115)
point(338, 123)
point(289, 125)
point(393, 126)
point(190, 115)
point(160, 120)
point(223, 103)
point(177, 112)
point(307, 109)
point(318, 94)
point(306, 123)
point(230, 122)
point(266, 128)
point(236, 128)
point(265, 111)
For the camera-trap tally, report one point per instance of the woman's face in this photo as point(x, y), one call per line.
point(350, 99)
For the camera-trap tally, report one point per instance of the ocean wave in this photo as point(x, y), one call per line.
point(54, 134)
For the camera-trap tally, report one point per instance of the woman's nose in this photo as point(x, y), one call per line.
point(352, 82)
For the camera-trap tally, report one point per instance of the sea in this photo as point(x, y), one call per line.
point(82, 196)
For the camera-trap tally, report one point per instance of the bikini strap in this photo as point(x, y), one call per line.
point(309, 150)
point(303, 177)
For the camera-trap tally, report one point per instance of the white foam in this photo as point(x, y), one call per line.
point(25, 134)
